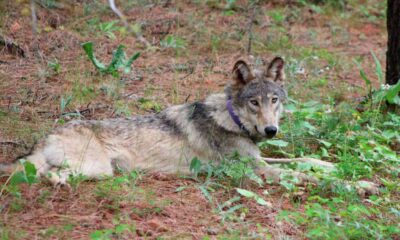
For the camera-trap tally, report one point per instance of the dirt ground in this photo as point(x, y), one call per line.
point(154, 205)
point(32, 89)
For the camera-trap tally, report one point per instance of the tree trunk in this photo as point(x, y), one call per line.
point(393, 52)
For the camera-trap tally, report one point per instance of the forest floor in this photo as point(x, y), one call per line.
point(46, 79)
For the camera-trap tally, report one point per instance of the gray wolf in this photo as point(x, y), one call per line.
point(235, 120)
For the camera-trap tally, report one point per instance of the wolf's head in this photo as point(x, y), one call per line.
point(257, 97)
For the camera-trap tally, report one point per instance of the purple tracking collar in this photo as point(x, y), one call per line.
point(234, 116)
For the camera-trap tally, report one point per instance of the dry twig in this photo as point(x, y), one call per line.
point(138, 35)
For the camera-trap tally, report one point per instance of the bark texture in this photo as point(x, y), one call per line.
point(393, 53)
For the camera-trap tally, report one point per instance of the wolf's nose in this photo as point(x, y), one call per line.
point(270, 131)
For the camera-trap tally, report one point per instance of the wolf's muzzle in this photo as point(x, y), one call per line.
point(270, 131)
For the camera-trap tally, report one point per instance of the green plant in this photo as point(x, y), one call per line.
point(252, 195)
point(108, 29)
point(277, 39)
point(115, 184)
point(82, 92)
point(176, 43)
point(118, 60)
point(27, 175)
point(227, 210)
point(215, 43)
point(55, 66)
point(277, 16)
point(234, 168)
point(363, 144)
point(195, 167)
point(7, 233)
point(374, 11)
point(331, 131)
point(51, 4)
point(119, 230)
point(122, 108)
point(148, 104)
point(340, 4)
point(64, 103)
point(74, 181)
point(385, 93)
point(338, 220)
point(230, 4)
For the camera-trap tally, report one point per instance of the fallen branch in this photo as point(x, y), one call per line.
point(313, 161)
point(10, 143)
point(77, 112)
point(363, 187)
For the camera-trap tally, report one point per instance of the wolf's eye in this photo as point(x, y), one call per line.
point(274, 100)
point(254, 102)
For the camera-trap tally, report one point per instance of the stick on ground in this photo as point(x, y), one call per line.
point(123, 19)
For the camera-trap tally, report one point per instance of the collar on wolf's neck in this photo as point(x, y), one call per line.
point(235, 117)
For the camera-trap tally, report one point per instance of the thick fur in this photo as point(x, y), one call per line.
point(164, 142)
point(169, 140)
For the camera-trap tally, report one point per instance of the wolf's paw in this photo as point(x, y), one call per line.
point(365, 188)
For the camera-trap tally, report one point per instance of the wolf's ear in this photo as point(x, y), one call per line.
point(242, 73)
point(275, 70)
